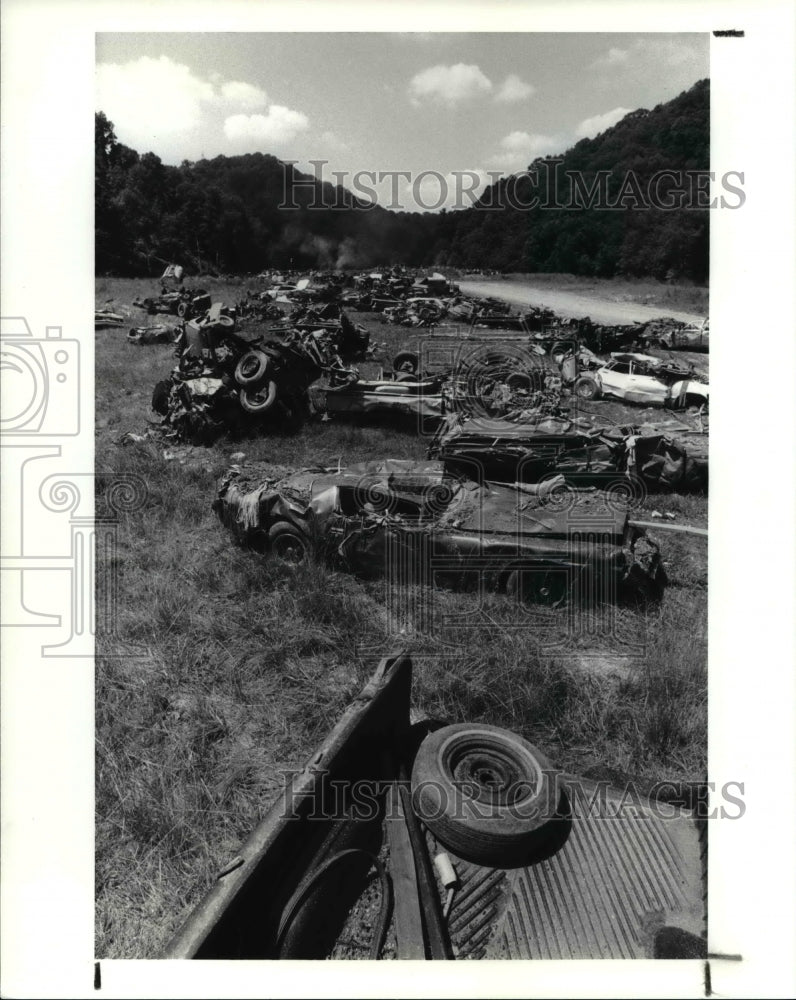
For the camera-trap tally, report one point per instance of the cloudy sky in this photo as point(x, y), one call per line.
point(385, 102)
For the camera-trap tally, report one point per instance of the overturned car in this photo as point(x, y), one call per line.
point(414, 522)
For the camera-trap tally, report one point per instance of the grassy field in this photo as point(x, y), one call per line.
point(225, 671)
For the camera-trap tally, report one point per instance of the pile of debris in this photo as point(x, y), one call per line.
point(224, 383)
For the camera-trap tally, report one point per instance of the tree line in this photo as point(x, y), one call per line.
point(587, 212)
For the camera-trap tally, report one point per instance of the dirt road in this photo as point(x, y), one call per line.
point(573, 304)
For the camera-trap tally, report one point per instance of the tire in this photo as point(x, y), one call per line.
point(406, 361)
point(160, 397)
point(251, 368)
point(587, 388)
point(537, 586)
point(182, 310)
point(287, 542)
point(259, 400)
point(486, 794)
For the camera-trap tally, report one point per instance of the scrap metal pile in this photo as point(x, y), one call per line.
point(224, 383)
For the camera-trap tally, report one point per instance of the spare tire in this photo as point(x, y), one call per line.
point(486, 794)
point(258, 400)
point(251, 368)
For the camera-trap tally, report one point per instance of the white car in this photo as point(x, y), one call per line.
point(634, 379)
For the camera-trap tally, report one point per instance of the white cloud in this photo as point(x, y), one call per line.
point(277, 127)
point(449, 84)
point(245, 95)
point(590, 127)
point(149, 97)
point(161, 105)
point(514, 89)
point(518, 149)
point(613, 57)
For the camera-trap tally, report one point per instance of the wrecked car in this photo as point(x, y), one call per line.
point(494, 853)
point(403, 397)
point(629, 460)
point(185, 303)
point(419, 520)
point(673, 335)
point(641, 381)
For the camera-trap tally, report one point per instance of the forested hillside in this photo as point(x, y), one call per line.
point(223, 214)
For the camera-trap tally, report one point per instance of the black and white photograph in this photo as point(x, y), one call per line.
point(376, 530)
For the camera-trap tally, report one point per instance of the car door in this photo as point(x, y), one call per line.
point(643, 386)
point(615, 378)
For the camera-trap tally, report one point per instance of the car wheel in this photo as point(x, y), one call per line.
point(258, 400)
point(160, 397)
point(486, 794)
point(251, 368)
point(406, 361)
point(287, 542)
point(182, 310)
point(587, 388)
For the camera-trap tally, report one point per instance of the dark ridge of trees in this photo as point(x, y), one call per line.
point(223, 215)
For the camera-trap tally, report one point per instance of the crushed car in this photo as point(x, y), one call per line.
point(674, 335)
point(630, 460)
point(372, 517)
point(403, 398)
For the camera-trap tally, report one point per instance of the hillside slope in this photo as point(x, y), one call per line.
point(223, 214)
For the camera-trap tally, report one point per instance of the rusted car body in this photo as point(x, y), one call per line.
point(628, 459)
point(618, 875)
point(417, 519)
